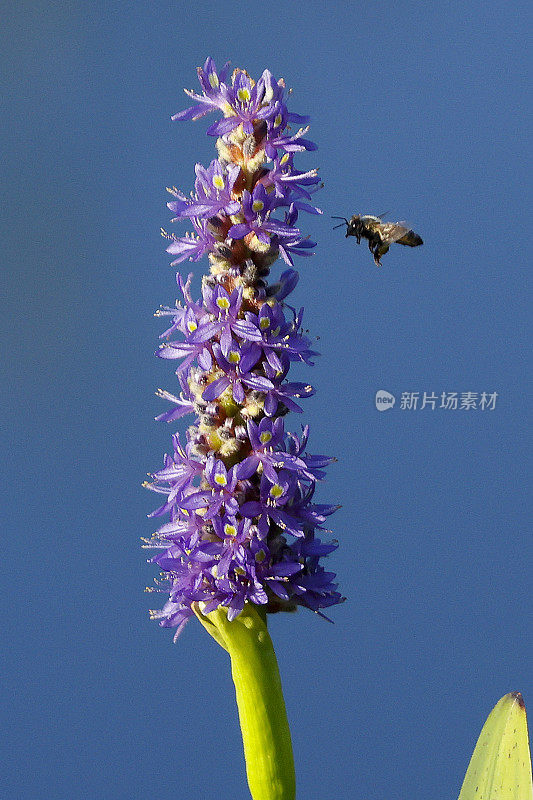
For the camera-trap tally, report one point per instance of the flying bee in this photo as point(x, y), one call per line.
point(380, 234)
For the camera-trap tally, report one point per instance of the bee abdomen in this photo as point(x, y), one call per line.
point(411, 238)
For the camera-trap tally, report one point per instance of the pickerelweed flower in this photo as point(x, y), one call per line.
point(239, 491)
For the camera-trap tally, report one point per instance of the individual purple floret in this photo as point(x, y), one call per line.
point(214, 187)
point(256, 209)
point(238, 491)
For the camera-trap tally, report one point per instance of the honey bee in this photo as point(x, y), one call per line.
point(380, 234)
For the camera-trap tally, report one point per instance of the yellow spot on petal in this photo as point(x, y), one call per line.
point(213, 80)
point(265, 437)
point(218, 182)
point(230, 530)
point(220, 479)
point(243, 95)
point(223, 303)
point(258, 205)
point(228, 110)
point(276, 491)
point(277, 121)
point(264, 322)
point(234, 357)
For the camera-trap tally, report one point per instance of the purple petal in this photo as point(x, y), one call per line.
point(279, 589)
point(223, 126)
point(247, 467)
point(215, 389)
point(247, 330)
point(239, 231)
point(250, 356)
point(194, 501)
point(194, 112)
point(285, 568)
point(238, 392)
point(258, 382)
point(251, 509)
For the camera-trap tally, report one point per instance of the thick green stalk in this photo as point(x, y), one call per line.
point(265, 730)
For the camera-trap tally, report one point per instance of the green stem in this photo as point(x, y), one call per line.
point(265, 730)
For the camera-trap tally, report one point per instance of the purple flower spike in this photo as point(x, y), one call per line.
point(239, 489)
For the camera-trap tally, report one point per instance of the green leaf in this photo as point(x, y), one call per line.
point(500, 768)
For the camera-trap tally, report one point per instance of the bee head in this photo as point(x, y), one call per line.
point(353, 225)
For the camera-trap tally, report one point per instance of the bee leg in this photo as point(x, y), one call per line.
point(378, 250)
point(373, 247)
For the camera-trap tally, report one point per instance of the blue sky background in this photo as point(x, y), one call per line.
point(418, 109)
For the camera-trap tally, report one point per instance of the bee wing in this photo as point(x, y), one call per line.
point(391, 232)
